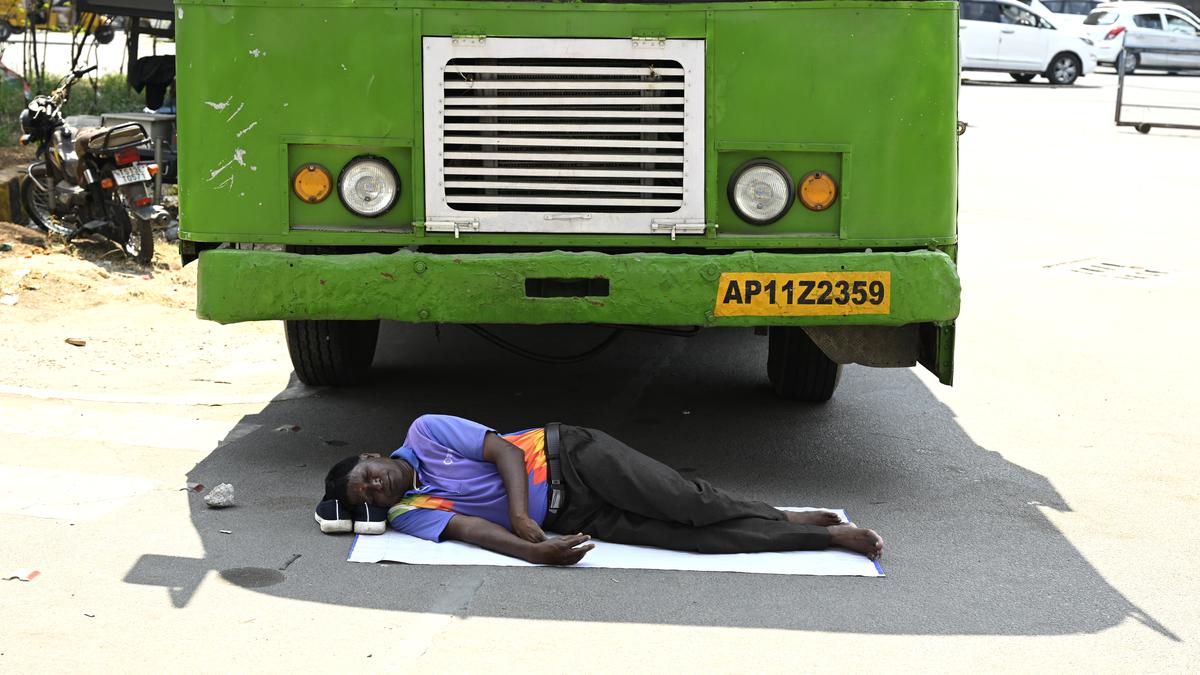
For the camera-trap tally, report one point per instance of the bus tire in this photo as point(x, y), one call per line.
point(6, 30)
point(331, 353)
point(798, 369)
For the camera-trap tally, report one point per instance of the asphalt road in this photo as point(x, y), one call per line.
point(1036, 516)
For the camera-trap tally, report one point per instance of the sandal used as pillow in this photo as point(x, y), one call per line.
point(334, 518)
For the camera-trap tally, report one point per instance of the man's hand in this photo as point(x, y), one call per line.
point(527, 528)
point(561, 551)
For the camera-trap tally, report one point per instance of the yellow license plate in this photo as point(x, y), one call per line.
point(804, 294)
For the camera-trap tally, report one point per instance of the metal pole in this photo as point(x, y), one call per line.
point(1120, 84)
point(158, 176)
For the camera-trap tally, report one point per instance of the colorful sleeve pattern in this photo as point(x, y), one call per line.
point(533, 444)
point(422, 516)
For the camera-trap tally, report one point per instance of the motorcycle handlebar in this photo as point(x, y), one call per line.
point(60, 95)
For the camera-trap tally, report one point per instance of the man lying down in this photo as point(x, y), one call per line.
point(457, 479)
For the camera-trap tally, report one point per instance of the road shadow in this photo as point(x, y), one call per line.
point(969, 550)
point(1035, 84)
point(1152, 73)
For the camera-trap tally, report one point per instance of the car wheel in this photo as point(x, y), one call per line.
point(798, 369)
point(1131, 60)
point(1142, 128)
point(1064, 69)
point(1023, 78)
point(332, 353)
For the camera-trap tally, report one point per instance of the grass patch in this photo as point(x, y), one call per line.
point(92, 96)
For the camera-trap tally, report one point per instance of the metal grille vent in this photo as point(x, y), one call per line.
point(563, 134)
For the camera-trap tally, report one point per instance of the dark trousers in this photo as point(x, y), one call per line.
point(617, 494)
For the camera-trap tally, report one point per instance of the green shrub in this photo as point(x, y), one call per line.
point(110, 93)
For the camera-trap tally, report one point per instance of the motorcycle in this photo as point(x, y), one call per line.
point(91, 179)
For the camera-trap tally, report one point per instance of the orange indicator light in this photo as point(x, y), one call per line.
point(818, 191)
point(312, 183)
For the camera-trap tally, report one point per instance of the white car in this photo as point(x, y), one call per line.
point(1067, 12)
point(1008, 36)
point(1141, 30)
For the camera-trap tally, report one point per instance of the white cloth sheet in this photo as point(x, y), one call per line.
point(395, 547)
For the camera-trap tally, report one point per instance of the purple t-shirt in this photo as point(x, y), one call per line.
point(447, 453)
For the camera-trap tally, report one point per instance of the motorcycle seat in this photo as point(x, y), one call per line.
point(91, 139)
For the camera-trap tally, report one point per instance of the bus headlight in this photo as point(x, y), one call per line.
point(369, 186)
point(761, 192)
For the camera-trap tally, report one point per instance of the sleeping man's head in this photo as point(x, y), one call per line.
point(368, 479)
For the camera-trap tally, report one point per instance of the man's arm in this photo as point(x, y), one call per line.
point(484, 533)
point(510, 463)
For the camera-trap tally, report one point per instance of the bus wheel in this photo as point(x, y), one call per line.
point(798, 369)
point(332, 353)
point(5, 30)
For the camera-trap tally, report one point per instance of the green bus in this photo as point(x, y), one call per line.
point(789, 167)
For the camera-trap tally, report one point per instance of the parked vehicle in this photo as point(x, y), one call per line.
point(16, 16)
point(1067, 12)
point(89, 180)
point(11, 83)
point(1153, 31)
point(655, 164)
point(1008, 36)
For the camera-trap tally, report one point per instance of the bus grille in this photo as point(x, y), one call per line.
point(579, 134)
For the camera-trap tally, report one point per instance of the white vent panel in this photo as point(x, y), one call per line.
point(549, 135)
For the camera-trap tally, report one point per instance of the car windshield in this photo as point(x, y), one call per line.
point(1100, 17)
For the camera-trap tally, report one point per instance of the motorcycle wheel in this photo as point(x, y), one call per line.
point(140, 245)
point(36, 201)
point(138, 236)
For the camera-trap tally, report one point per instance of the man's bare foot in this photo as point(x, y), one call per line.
point(823, 518)
point(857, 539)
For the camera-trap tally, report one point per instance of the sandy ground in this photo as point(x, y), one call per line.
point(90, 293)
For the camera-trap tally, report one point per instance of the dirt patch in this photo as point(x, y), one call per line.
point(14, 158)
point(45, 272)
point(83, 320)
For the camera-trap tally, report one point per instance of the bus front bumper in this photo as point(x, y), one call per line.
point(661, 289)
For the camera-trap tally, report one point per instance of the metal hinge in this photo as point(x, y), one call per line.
point(677, 227)
point(650, 42)
point(455, 226)
point(567, 216)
